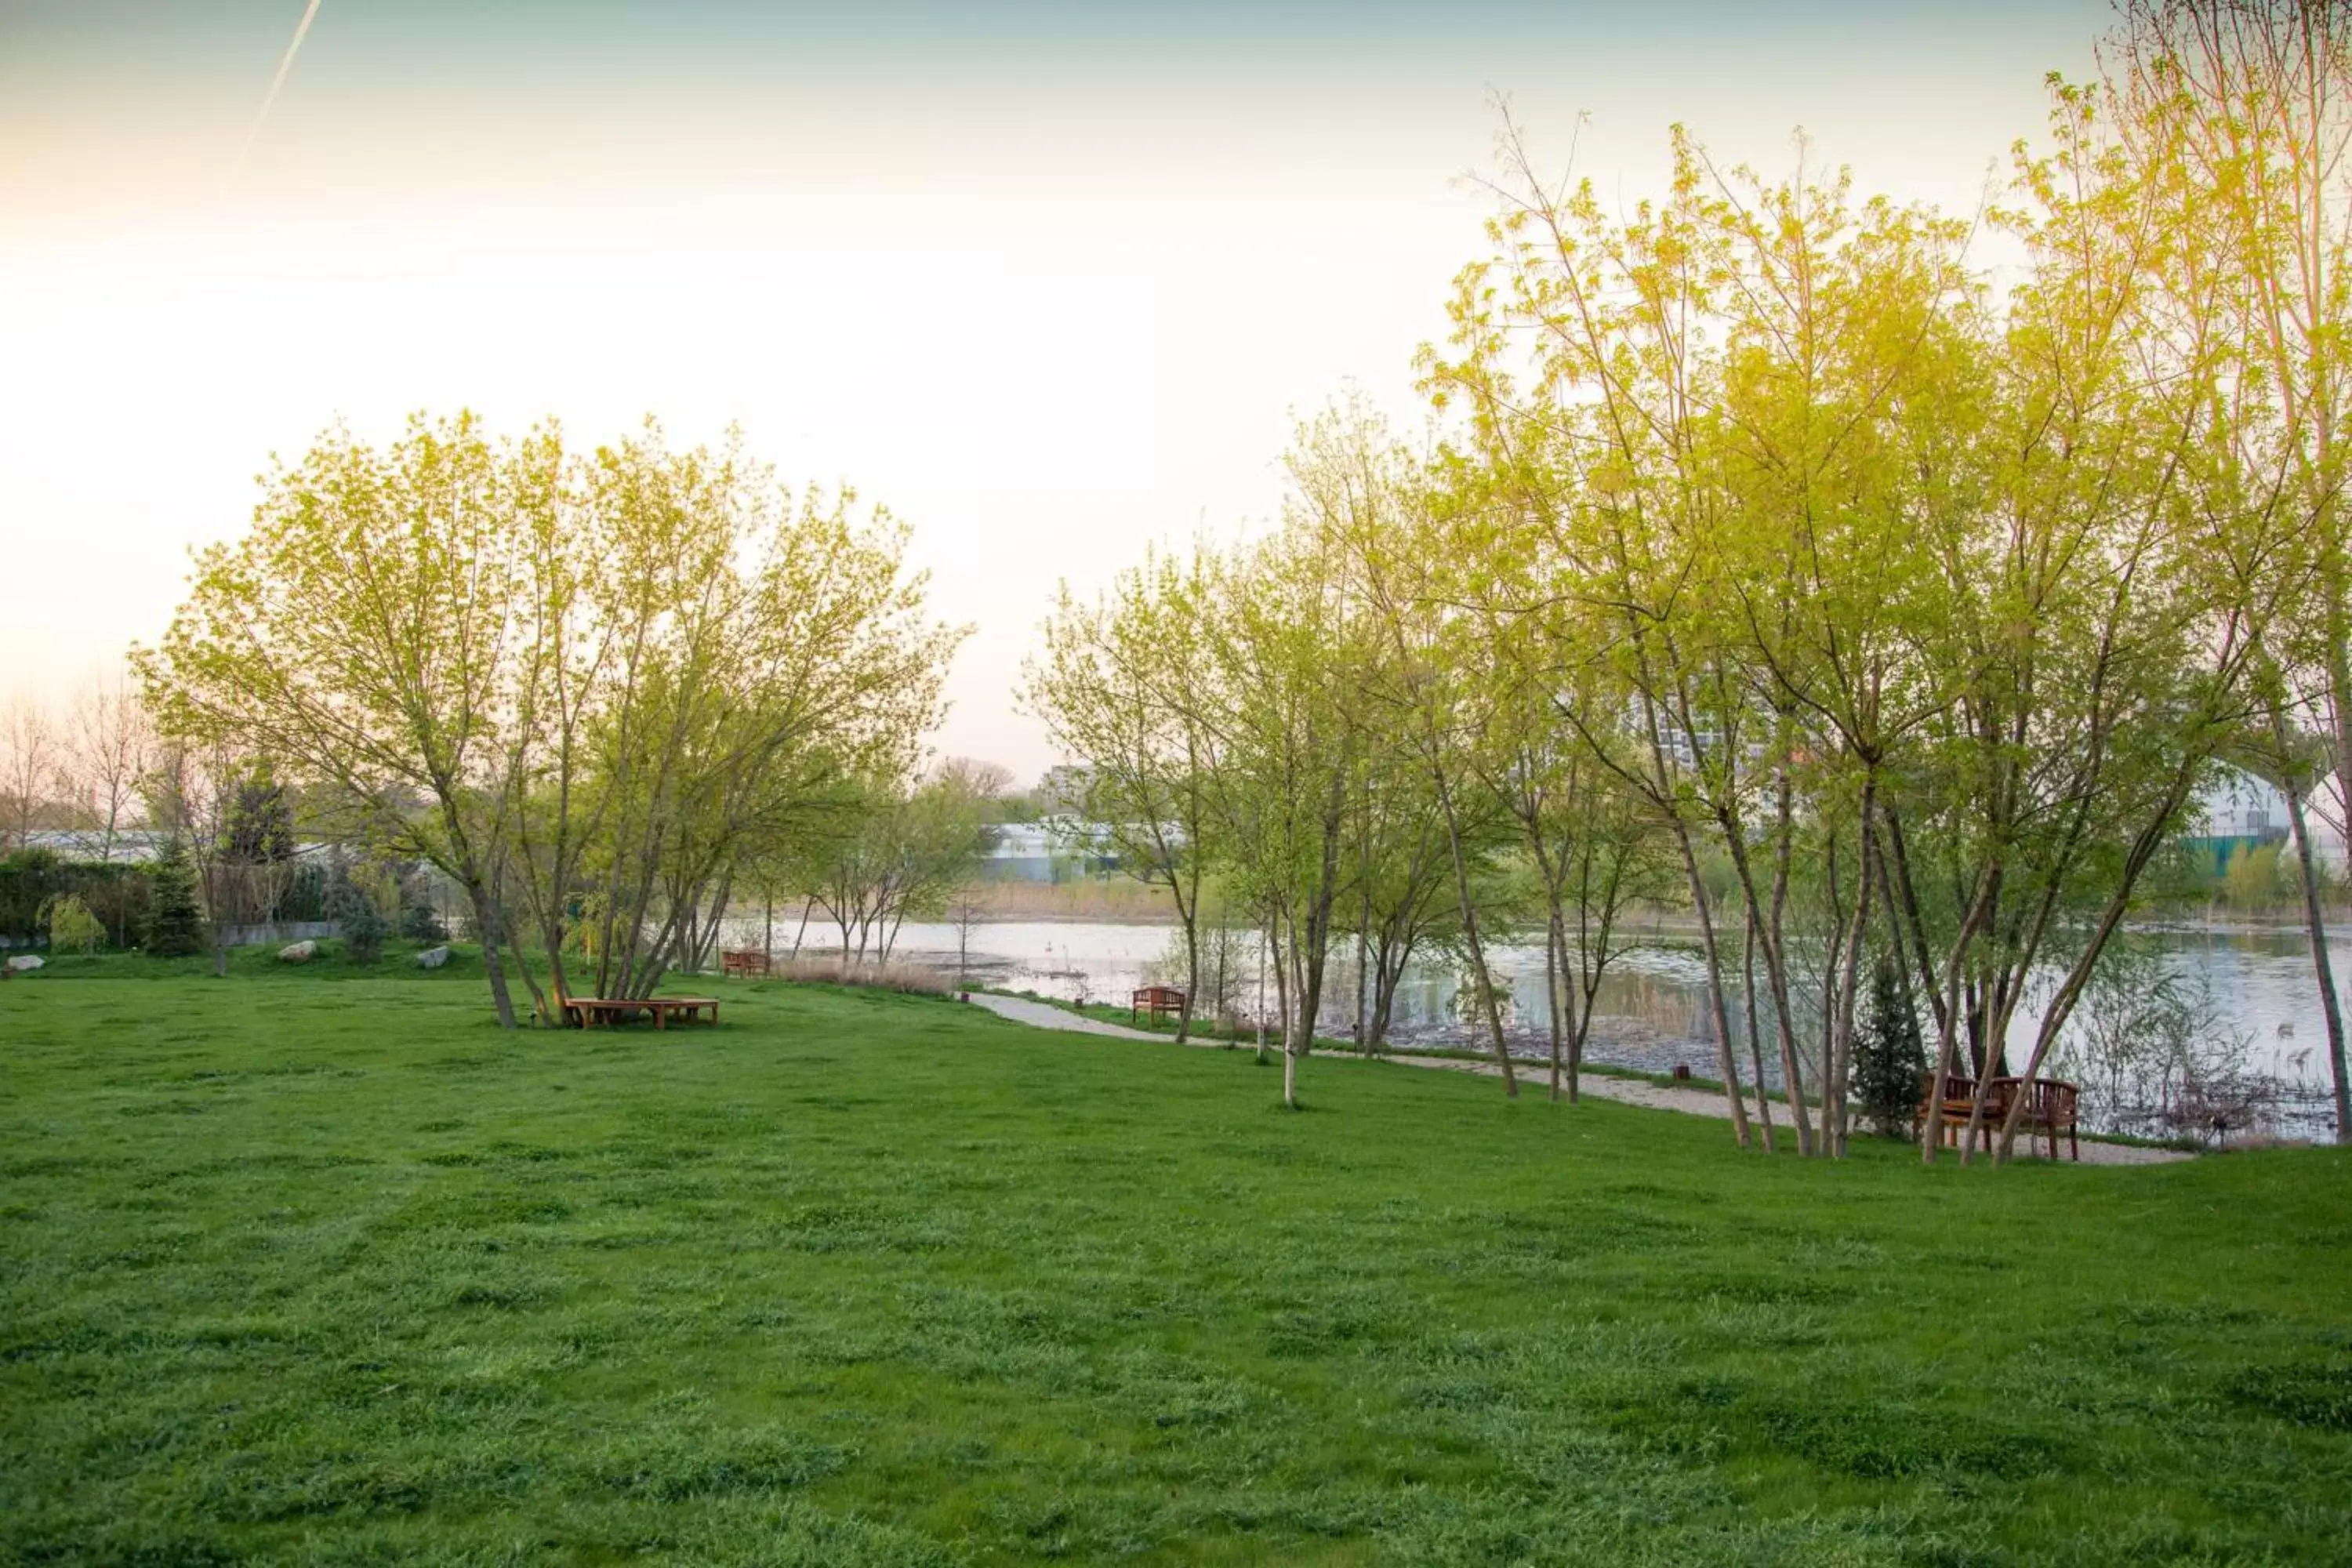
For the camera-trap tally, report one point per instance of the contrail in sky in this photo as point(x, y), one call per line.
point(284, 65)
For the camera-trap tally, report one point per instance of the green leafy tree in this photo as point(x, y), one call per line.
point(1113, 685)
point(72, 928)
point(175, 921)
point(1890, 1058)
point(360, 912)
point(362, 631)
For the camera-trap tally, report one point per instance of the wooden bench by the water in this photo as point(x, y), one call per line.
point(742, 960)
point(1160, 1001)
point(2052, 1106)
point(587, 1010)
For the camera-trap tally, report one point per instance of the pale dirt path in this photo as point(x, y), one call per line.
point(1534, 1076)
point(1021, 1010)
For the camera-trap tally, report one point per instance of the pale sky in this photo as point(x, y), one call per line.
point(1049, 278)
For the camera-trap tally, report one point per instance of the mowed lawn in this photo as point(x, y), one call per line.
point(301, 1267)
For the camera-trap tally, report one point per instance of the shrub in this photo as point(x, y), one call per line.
point(175, 921)
point(364, 927)
point(1888, 1056)
point(114, 892)
point(71, 925)
point(419, 920)
point(2255, 879)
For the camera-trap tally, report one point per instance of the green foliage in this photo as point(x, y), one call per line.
point(259, 830)
point(72, 928)
point(899, 848)
point(115, 893)
point(839, 1283)
point(2258, 878)
point(175, 921)
point(360, 907)
point(775, 643)
point(1889, 1054)
point(419, 920)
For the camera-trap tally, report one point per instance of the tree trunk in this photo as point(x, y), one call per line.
point(1834, 1120)
point(1470, 933)
point(1363, 942)
point(1281, 994)
point(1577, 1001)
point(1225, 940)
point(489, 930)
point(1554, 991)
point(1386, 978)
point(1725, 1061)
point(2331, 1010)
point(1755, 1035)
point(1190, 910)
point(1773, 926)
point(1947, 1013)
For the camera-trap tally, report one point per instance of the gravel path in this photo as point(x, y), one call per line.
point(1021, 1010)
point(1532, 1075)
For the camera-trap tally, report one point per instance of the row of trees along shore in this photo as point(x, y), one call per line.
point(603, 691)
point(1758, 527)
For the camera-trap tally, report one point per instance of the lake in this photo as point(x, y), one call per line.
point(1652, 1011)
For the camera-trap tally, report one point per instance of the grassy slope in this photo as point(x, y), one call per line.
point(328, 1269)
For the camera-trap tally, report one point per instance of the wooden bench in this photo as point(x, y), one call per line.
point(1951, 1118)
point(587, 1010)
point(1160, 1001)
point(742, 961)
point(2052, 1106)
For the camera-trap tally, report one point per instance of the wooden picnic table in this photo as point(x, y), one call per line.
point(586, 1010)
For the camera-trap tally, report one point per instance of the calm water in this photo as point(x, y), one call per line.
point(1652, 1011)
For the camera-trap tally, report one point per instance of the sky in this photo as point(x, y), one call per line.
point(1050, 279)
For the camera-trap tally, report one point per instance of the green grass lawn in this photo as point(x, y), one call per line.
point(310, 1266)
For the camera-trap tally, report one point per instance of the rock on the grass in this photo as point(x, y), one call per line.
point(433, 958)
point(22, 962)
point(297, 952)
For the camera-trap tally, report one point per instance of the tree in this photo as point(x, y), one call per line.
point(1279, 687)
point(70, 924)
point(966, 910)
point(582, 686)
point(1889, 1057)
point(362, 631)
point(358, 906)
point(1895, 577)
point(1111, 686)
point(258, 845)
point(191, 795)
point(420, 922)
point(107, 745)
point(175, 921)
point(28, 755)
point(2246, 106)
point(905, 849)
point(1366, 495)
point(766, 653)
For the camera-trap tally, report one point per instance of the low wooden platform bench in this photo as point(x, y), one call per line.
point(588, 1010)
